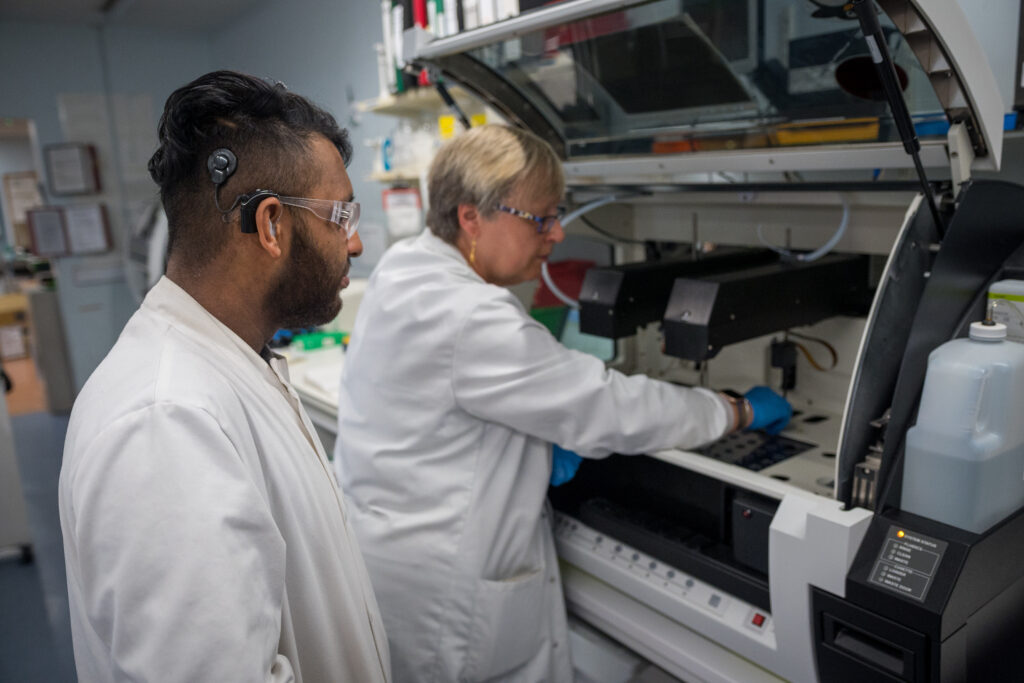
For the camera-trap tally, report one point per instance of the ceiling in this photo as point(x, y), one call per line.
point(183, 15)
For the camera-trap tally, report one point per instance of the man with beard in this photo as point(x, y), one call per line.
point(204, 534)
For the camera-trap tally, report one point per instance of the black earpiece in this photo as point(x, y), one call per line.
point(221, 164)
point(249, 203)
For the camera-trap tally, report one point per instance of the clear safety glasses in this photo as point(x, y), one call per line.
point(343, 214)
point(544, 223)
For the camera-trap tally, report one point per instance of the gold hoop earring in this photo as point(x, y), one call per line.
point(472, 253)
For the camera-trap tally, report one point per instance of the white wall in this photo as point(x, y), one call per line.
point(42, 62)
point(322, 49)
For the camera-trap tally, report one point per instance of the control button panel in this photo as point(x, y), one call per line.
point(687, 594)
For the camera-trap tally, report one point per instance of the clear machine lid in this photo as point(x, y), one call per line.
point(683, 76)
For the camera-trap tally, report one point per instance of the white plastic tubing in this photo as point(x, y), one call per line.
point(569, 218)
point(609, 199)
point(820, 251)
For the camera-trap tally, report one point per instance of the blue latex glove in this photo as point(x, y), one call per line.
point(771, 411)
point(563, 465)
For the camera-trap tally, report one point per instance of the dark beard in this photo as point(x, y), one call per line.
point(307, 293)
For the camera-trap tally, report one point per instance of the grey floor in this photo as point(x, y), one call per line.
point(35, 633)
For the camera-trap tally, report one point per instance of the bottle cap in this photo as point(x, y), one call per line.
point(988, 331)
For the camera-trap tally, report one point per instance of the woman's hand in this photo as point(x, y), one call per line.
point(563, 465)
point(771, 411)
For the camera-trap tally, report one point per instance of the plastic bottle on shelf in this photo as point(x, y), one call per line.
point(376, 147)
point(399, 156)
point(386, 149)
point(964, 462)
point(423, 144)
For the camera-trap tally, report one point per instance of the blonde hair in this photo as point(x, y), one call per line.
point(485, 165)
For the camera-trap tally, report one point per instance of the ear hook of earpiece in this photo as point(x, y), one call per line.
point(221, 164)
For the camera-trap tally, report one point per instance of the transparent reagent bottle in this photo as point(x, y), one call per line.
point(964, 462)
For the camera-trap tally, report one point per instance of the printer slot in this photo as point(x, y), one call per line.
point(864, 646)
point(856, 645)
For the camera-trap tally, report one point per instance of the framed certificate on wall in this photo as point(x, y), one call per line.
point(71, 168)
point(85, 226)
point(46, 229)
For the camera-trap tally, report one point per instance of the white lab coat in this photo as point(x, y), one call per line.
point(450, 399)
point(204, 534)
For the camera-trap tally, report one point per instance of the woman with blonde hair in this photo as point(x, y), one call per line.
point(451, 399)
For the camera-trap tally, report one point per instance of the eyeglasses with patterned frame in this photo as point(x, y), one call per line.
point(544, 223)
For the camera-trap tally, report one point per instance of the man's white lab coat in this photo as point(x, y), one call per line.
point(450, 399)
point(204, 535)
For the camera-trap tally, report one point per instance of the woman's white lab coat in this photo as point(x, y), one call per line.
point(204, 534)
point(450, 399)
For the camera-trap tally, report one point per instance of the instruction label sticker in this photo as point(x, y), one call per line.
point(907, 563)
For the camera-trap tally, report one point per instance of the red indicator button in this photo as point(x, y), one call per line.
point(758, 620)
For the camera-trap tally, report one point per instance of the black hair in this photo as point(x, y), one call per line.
point(268, 129)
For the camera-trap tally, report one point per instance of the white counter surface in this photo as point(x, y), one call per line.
point(316, 376)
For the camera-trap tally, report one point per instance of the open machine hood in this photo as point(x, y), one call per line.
point(642, 92)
